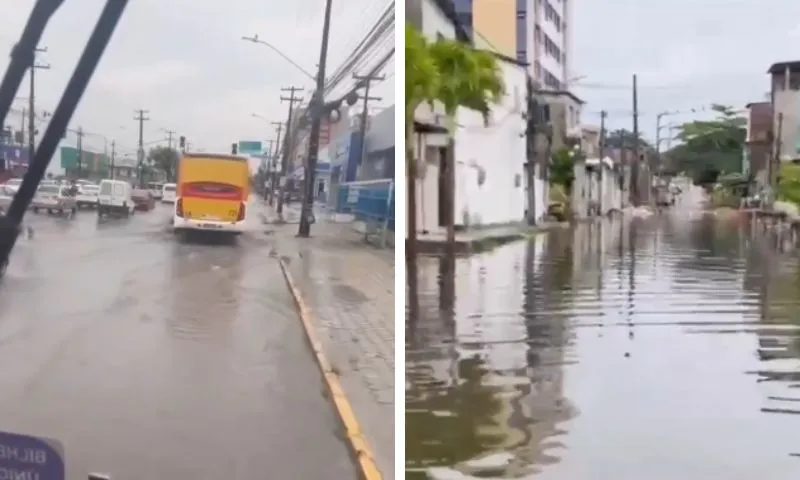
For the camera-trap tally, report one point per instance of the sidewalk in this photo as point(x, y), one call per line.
point(349, 287)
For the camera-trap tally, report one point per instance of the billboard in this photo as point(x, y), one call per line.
point(250, 147)
point(90, 161)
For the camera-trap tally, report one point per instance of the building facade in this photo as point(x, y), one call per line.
point(785, 100)
point(535, 32)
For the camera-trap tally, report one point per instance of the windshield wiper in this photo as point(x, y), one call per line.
point(22, 57)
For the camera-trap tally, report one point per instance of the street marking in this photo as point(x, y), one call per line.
point(355, 437)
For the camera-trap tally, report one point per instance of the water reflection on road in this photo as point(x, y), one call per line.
point(663, 348)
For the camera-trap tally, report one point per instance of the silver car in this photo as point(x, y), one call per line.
point(55, 199)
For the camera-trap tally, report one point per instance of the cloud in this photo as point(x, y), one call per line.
point(687, 54)
point(185, 63)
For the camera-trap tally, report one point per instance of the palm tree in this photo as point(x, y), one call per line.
point(467, 78)
point(421, 79)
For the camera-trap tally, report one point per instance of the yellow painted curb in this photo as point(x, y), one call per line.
point(355, 437)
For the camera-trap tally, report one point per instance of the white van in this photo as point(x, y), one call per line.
point(115, 197)
point(169, 193)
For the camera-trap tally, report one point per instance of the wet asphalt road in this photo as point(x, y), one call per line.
point(150, 358)
point(664, 348)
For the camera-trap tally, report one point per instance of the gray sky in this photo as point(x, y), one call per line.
point(687, 53)
point(185, 62)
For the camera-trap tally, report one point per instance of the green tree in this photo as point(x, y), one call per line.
point(164, 159)
point(710, 148)
point(421, 80)
point(562, 170)
point(467, 78)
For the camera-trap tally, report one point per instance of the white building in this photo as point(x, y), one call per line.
point(489, 160)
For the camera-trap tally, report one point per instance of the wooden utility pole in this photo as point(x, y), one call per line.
point(113, 158)
point(292, 99)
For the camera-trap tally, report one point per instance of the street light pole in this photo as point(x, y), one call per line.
point(317, 110)
point(255, 39)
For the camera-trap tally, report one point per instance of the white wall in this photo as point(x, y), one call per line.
point(435, 22)
point(786, 102)
point(499, 151)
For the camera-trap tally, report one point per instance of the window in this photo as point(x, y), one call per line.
point(538, 33)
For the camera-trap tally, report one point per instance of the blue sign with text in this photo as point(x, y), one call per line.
point(26, 457)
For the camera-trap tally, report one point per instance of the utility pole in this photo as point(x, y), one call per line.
point(32, 103)
point(141, 117)
point(776, 158)
point(80, 135)
point(274, 170)
point(292, 99)
point(367, 79)
point(602, 139)
point(317, 110)
point(658, 136)
point(531, 154)
point(636, 152)
point(113, 157)
point(170, 134)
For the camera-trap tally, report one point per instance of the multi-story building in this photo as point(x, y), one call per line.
point(535, 32)
point(785, 100)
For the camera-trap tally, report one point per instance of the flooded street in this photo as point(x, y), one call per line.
point(662, 348)
point(152, 358)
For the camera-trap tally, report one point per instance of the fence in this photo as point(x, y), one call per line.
point(371, 203)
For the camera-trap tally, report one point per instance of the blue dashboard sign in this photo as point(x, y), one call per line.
point(31, 458)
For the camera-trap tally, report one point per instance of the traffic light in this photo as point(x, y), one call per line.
point(182, 142)
point(234, 148)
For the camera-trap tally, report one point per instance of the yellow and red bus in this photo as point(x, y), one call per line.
point(212, 193)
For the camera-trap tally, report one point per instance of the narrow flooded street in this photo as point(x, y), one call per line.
point(659, 348)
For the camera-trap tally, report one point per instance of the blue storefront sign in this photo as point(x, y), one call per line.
point(22, 456)
point(14, 155)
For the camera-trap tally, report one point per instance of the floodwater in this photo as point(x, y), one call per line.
point(657, 348)
point(147, 357)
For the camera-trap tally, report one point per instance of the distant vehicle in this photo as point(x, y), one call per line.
point(169, 193)
point(212, 193)
point(155, 188)
point(115, 198)
point(13, 184)
point(143, 199)
point(55, 199)
point(6, 197)
point(87, 195)
point(664, 196)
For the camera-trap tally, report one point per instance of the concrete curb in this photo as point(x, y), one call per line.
point(358, 444)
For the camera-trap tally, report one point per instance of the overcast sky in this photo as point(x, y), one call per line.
point(184, 62)
point(687, 53)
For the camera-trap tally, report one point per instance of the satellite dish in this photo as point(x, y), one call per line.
point(351, 98)
point(334, 115)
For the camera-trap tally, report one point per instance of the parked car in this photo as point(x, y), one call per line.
point(143, 199)
point(55, 199)
point(87, 195)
